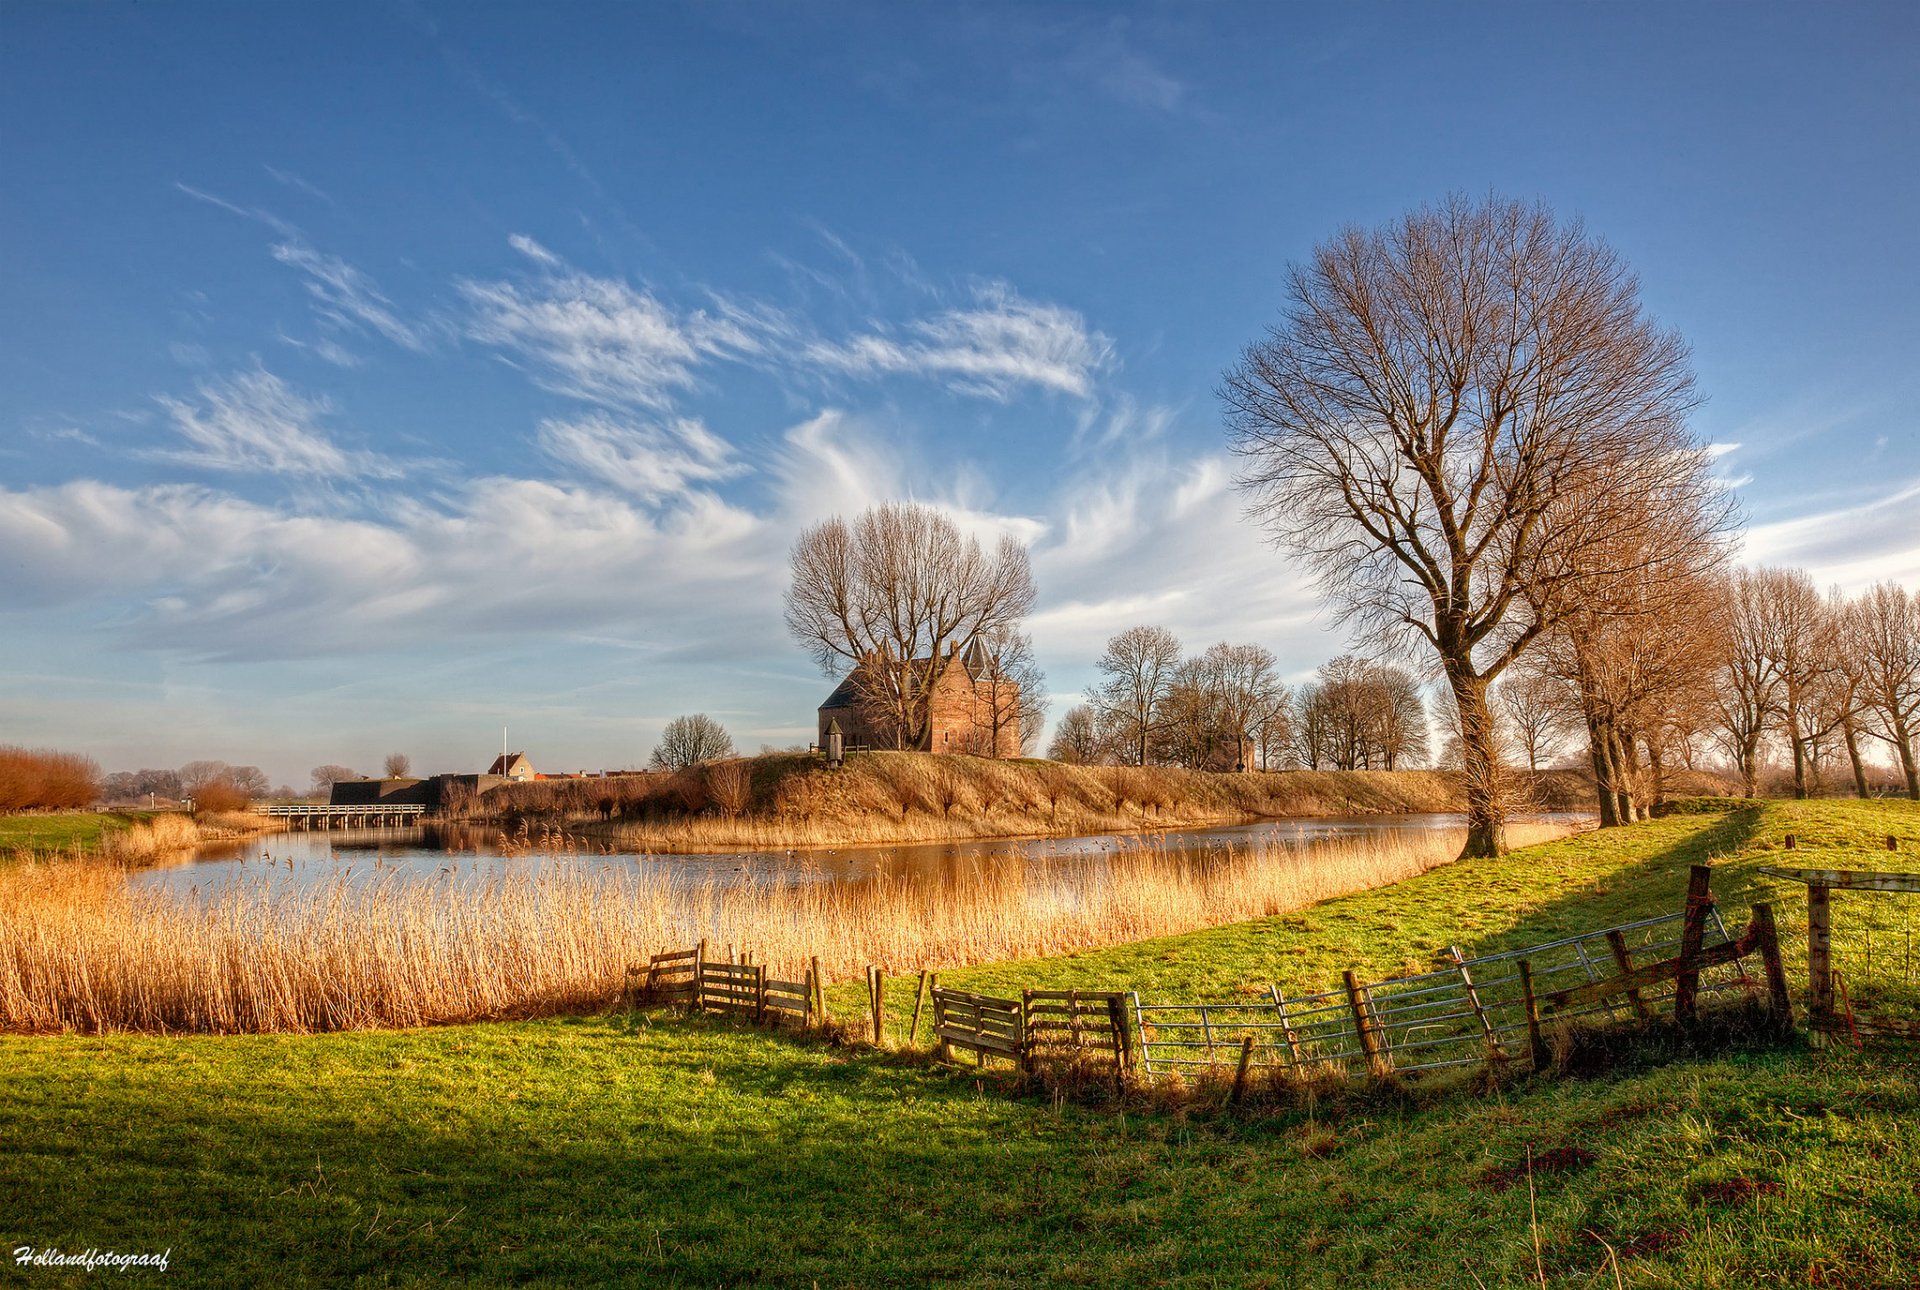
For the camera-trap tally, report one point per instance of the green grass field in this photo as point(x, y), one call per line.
point(61, 832)
point(657, 1150)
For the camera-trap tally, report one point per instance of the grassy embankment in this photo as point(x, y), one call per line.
point(662, 1151)
point(790, 800)
point(122, 837)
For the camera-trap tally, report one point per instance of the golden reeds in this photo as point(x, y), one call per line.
point(83, 948)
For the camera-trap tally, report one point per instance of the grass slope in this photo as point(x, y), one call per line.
point(792, 800)
point(653, 1150)
point(61, 832)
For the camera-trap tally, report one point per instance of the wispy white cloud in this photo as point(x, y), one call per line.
point(1852, 545)
point(999, 344)
point(654, 461)
point(347, 297)
point(599, 339)
point(1107, 60)
point(288, 179)
point(255, 422)
point(344, 296)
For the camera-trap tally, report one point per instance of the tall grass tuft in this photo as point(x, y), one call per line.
point(82, 948)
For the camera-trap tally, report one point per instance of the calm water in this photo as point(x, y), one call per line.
point(297, 859)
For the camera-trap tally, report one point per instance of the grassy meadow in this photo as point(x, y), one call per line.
point(61, 831)
point(653, 1149)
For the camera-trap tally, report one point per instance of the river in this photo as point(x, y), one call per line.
point(300, 859)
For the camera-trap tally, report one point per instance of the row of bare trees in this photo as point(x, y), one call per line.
point(1226, 708)
point(1745, 664)
point(196, 779)
point(1222, 709)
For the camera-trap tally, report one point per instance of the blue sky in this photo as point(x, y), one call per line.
point(375, 375)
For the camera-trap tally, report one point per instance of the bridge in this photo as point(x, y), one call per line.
point(299, 816)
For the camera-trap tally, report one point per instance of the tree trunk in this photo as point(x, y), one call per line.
point(1749, 773)
point(1619, 750)
point(1599, 747)
point(1853, 755)
point(1799, 759)
point(1903, 740)
point(1480, 758)
point(1657, 764)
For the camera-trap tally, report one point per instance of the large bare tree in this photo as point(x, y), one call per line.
point(892, 595)
point(1139, 667)
point(1432, 393)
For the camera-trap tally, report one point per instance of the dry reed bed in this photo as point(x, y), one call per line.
point(83, 949)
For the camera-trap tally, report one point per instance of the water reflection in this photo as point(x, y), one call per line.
point(466, 852)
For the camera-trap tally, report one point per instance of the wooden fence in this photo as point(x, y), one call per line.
point(1491, 1009)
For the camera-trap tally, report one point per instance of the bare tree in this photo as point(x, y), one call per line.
point(1846, 691)
point(1801, 638)
point(1748, 693)
point(1248, 692)
point(1887, 634)
point(397, 765)
point(730, 785)
point(689, 741)
point(1434, 391)
point(893, 595)
point(1535, 706)
point(1139, 666)
point(1077, 739)
point(1011, 689)
point(325, 777)
point(1630, 640)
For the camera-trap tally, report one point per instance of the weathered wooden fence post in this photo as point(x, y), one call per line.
point(819, 992)
point(1778, 1000)
point(1240, 1073)
point(699, 973)
point(876, 987)
point(919, 997)
point(1820, 955)
point(1495, 1053)
point(1693, 931)
point(1364, 1027)
point(1536, 1040)
point(1286, 1023)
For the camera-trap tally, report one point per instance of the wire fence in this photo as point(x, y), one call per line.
point(1469, 1012)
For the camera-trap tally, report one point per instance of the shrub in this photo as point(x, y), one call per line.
point(43, 779)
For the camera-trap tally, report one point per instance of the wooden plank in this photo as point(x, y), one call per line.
point(1286, 1026)
point(1778, 1000)
point(1848, 879)
point(1651, 974)
point(1623, 959)
point(919, 996)
point(1240, 1075)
